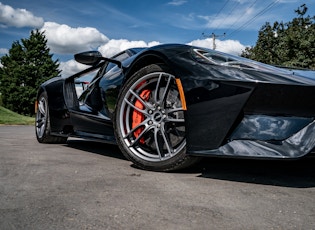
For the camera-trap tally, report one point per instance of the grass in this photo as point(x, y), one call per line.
point(8, 117)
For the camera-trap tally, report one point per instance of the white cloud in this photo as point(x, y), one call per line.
point(288, 1)
point(243, 1)
point(234, 20)
point(64, 39)
point(109, 49)
point(177, 2)
point(227, 46)
point(3, 51)
point(115, 46)
point(247, 15)
point(71, 67)
point(18, 17)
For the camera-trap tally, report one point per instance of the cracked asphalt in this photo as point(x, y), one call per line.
point(90, 185)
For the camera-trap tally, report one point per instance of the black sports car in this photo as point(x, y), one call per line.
point(167, 105)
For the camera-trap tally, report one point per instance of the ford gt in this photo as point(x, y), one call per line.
point(169, 105)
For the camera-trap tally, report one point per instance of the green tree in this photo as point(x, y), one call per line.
point(290, 44)
point(24, 68)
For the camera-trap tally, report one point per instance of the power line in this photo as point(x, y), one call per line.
point(225, 3)
point(239, 18)
point(231, 11)
point(213, 35)
point(253, 18)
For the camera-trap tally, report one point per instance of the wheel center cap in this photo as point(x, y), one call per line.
point(158, 117)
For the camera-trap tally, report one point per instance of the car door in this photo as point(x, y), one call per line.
point(91, 118)
point(87, 116)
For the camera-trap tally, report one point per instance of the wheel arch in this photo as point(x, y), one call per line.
point(41, 90)
point(43, 128)
point(150, 59)
point(141, 62)
point(145, 60)
point(59, 116)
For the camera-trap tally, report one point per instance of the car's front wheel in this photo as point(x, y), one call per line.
point(42, 123)
point(149, 121)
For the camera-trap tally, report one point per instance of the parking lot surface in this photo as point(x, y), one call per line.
point(90, 185)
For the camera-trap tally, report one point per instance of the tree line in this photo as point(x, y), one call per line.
point(27, 65)
point(290, 44)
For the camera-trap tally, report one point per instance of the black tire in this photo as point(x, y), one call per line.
point(149, 121)
point(42, 123)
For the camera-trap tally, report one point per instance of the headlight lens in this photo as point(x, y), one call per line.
point(211, 57)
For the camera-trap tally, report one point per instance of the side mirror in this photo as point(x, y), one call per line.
point(93, 58)
point(89, 57)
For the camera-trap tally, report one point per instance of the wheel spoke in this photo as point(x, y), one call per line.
point(166, 140)
point(139, 98)
point(174, 110)
point(176, 120)
point(135, 107)
point(40, 122)
point(135, 128)
point(166, 90)
point(146, 129)
point(42, 129)
point(156, 140)
point(157, 88)
point(41, 108)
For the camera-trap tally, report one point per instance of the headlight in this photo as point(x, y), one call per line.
point(211, 57)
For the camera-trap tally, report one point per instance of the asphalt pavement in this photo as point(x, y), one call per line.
point(90, 185)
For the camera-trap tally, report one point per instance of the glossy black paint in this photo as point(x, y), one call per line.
point(295, 146)
point(268, 128)
point(229, 107)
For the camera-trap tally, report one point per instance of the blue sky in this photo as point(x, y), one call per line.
point(112, 25)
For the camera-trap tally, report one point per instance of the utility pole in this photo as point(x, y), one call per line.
point(214, 36)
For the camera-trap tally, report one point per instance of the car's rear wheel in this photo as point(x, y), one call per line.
point(149, 121)
point(42, 123)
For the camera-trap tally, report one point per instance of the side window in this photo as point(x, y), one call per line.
point(82, 82)
point(119, 57)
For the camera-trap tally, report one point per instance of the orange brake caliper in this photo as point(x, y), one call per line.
point(138, 117)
